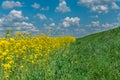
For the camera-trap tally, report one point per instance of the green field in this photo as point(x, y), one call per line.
point(99, 56)
point(93, 57)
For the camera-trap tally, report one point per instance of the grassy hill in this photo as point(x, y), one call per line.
point(98, 56)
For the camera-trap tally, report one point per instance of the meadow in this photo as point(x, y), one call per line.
point(93, 57)
point(25, 57)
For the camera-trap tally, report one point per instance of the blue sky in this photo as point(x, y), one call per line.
point(67, 17)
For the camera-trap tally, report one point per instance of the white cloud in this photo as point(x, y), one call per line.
point(100, 6)
point(24, 26)
point(94, 2)
point(86, 2)
point(62, 7)
point(106, 25)
point(52, 24)
point(48, 26)
point(14, 14)
point(115, 6)
point(42, 16)
point(11, 4)
point(35, 5)
point(109, 25)
point(94, 24)
point(73, 21)
point(17, 21)
point(1, 21)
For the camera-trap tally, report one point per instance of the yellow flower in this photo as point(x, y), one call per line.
point(4, 53)
point(12, 40)
point(11, 62)
point(7, 76)
point(21, 67)
point(6, 66)
point(36, 50)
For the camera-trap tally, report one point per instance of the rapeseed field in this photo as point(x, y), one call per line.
point(33, 58)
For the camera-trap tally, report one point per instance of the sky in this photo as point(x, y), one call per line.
point(64, 17)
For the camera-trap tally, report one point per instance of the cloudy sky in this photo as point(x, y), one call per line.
point(67, 17)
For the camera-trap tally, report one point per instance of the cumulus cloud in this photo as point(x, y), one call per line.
point(94, 2)
point(62, 7)
point(42, 16)
point(97, 25)
point(94, 24)
point(52, 24)
point(109, 25)
point(11, 4)
point(1, 21)
point(17, 21)
point(105, 25)
point(25, 26)
point(99, 6)
point(15, 15)
point(66, 26)
point(49, 26)
point(36, 6)
point(71, 21)
point(115, 6)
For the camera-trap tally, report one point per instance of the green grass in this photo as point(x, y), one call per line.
point(94, 57)
point(99, 56)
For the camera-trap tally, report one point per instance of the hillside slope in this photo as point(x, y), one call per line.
point(99, 56)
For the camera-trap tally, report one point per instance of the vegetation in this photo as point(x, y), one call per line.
point(25, 57)
point(99, 56)
point(94, 57)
